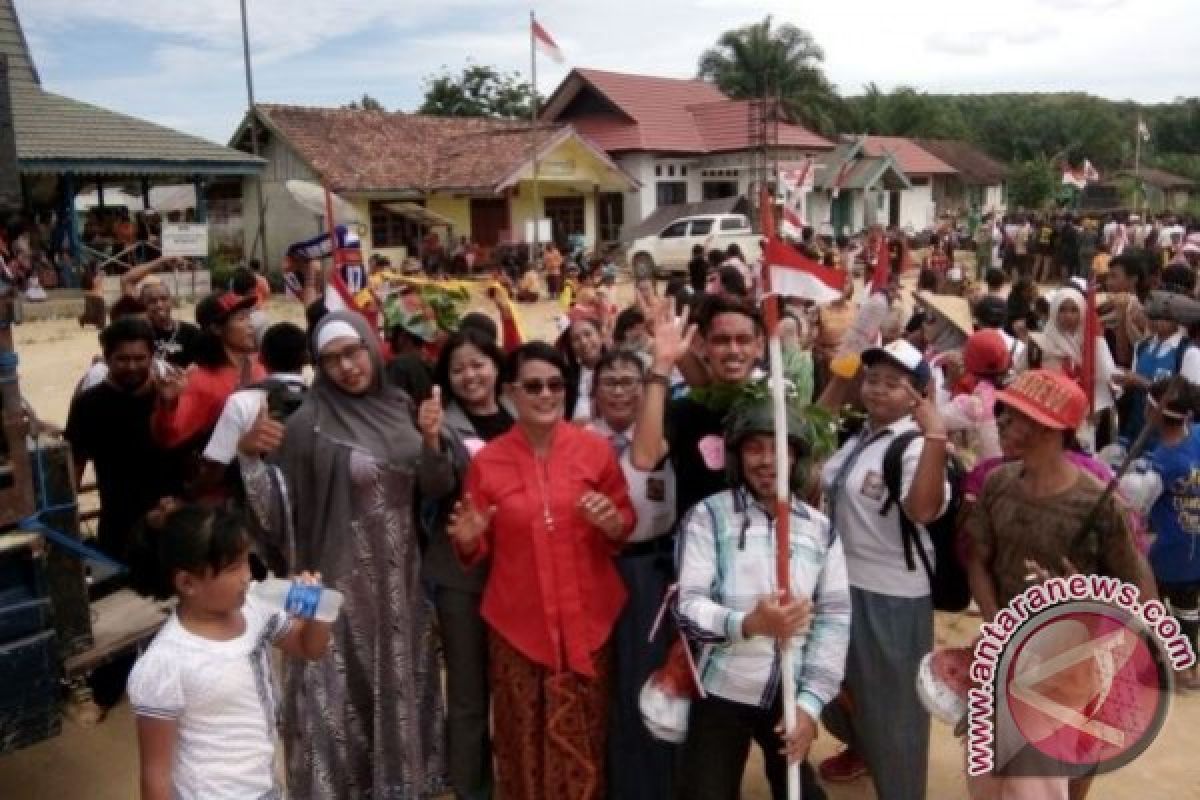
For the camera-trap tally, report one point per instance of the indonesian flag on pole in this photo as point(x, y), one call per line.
point(799, 182)
point(840, 178)
point(1079, 178)
point(545, 42)
point(795, 275)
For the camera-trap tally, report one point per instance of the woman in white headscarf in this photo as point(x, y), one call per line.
point(1060, 347)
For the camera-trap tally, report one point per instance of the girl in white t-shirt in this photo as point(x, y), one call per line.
point(202, 692)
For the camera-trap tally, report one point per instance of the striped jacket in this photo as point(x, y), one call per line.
point(726, 555)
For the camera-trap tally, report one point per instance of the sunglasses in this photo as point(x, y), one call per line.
point(536, 386)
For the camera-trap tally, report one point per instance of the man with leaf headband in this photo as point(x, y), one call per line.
point(729, 600)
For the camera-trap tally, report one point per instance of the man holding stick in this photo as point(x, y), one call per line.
point(731, 601)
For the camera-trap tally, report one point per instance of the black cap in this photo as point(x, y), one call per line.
point(216, 308)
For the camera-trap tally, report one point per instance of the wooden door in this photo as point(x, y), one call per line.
point(489, 216)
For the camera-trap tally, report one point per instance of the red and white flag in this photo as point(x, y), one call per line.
point(545, 42)
point(840, 178)
point(1081, 176)
point(798, 181)
point(795, 275)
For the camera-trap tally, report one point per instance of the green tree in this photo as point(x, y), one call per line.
point(1032, 184)
point(905, 112)
point(478, 91)
point(367, 103)
point(761, 60)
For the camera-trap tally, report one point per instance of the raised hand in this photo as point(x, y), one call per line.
point(673, 336)
point(924, 413)
point(265, 435)
point(429, 419)
point(467, 523)
point(171, 381)
point(601, 512)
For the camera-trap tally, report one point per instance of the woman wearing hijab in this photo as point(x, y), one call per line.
point(548, 506)
point(367, 720)
point(1060, 348)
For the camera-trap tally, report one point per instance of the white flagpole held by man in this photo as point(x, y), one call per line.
point(783, 519)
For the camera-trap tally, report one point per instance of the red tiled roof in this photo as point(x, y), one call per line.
point(376, 150)
point(657, 106)
point(363, 150)
point(911, 158)
point(666, 115)
point(725, 126)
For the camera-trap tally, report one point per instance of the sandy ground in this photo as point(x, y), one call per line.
point(101, 763)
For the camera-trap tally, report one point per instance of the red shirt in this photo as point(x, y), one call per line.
point(550, 592)
point(199, 407)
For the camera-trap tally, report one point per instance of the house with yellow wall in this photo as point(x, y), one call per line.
point(409, 174)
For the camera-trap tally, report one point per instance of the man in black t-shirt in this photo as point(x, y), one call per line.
point(109, 425)
point(732, 338)
point(174, 340)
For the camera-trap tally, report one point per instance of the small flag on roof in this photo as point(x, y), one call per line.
point(795, 275)
point(545, 42)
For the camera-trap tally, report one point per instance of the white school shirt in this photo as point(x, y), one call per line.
point(652, 493)
point(221, 696)
point(872, 541)
point(237, 418)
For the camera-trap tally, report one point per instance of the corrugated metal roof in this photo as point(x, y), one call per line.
point(56, 134)
point(22, 72)
point(53, 128)
point(725, 126)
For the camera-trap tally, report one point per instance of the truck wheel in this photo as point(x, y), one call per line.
point(643, 266)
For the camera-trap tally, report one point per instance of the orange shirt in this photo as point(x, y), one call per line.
point(553, 593)
point(200, 405)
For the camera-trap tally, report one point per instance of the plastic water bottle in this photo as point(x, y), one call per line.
point(298, 599)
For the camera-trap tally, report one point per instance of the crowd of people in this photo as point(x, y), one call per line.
point(508, 519)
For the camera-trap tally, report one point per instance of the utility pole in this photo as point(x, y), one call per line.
point(260, 235)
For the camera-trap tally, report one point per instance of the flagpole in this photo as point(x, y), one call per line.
point(533, 140)
point(261, 233)
point(783, 519)
point(1137, 162)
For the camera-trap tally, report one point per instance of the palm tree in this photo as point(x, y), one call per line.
point(785, 61)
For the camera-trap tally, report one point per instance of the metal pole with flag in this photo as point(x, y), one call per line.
point(783, 527)
point(1143, 134)
point(538, 38)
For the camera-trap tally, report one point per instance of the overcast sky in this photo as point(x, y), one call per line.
point(179, 62)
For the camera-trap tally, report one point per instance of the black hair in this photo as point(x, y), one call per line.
point(995, 278)
point(628, 318)
point(534, 351)
point(1182, 403)
point(466, 336)
point(1134, 263)
point(677, 285)
point(927, 279)
point(255, 265)
point(480, 322)
point(715, 305)
point(715, 258)
point(126, 306)
point(613, 359)
point(733, 251)
point(1179, 278)
point(284, 348)
point(125, 330)
point(567, 349)
point(732, 281)
point(192, 539)
point(243, 282)
point(697, 251)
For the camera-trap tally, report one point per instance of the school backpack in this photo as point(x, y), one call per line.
point(948, 580)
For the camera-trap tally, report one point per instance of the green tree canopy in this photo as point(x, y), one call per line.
point(367, 103)
point(763, 60)
point(478, 91)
